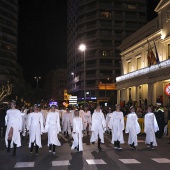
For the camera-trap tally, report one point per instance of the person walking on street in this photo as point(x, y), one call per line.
point(132, 127)
point(117, 126)
point(53, 128)
point(35, 128)
point(98, 127)
point(77, 132)
point(150, 127)
point(14, 127)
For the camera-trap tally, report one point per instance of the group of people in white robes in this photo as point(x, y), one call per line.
point(75, 123)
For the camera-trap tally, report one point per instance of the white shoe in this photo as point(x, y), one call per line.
point(53, 153)
point(49, 150)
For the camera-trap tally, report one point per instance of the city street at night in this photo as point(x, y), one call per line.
point(127, 159)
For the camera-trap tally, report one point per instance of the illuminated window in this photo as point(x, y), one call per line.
point(129, 67)
point(106, 14)
point(131, 6)
point(139, 65)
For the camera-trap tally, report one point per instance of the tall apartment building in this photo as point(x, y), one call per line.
point(101, 25)
point(8, 41)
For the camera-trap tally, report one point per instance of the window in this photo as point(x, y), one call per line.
point(129, 68)
point(131, 6)
point(139, 65)
point(106, 14)
point(168, 51)
point(168, 16)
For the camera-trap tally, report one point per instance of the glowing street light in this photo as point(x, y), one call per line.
point(37, 78)
point(82, 48)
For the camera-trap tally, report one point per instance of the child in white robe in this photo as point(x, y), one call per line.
point(53, 128)
point(150, 127)
point(132, 127)
point(77, 132)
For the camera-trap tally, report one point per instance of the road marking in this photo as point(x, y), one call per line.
point(24, 164)
point(161, 160)
point(60, 163)
point(95, 161)
point(129, 161)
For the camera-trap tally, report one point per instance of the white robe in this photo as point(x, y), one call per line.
point(77, 136)
point(150, 127)
point(86, 117)
point(133, 128)
point(108, 116)
point(53, 128)
point(24, 122)
point(66, 122)
point(117, 126)
point(35, 127)
point(14, 120)
point(98, 126)
point(81, 112)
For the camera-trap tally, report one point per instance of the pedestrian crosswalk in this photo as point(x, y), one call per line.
point(90, 162)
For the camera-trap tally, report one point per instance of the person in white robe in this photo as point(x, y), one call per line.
point(14, 127)
point(150, 127)
point(66, 122)
point(35, 128)
point(98, 127)
point(24, 121)
point(81, 111)
point(108, 116)
point(132, 127)
point(117, 127)
point(77, 132)
point(86, 117)
point(53, 128)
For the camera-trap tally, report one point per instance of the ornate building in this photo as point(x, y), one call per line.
point(139, 81)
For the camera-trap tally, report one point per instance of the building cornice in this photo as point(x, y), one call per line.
point(144, 71)
point(160, 6)
point(142, 44)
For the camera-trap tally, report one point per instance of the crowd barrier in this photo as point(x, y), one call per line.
point(141, 123)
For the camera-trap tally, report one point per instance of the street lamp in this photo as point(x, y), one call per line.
point(82, 48)
point(72, 75)
point(37, 78)
point(105, 87)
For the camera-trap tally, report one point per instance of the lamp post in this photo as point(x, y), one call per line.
point(105, 87)
point(37, 78)
point(82, 48)
point(72, 75)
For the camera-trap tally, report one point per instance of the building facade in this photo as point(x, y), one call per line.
point(55, 83)
point(101, 25)
point(141, 83)
point(8, 41)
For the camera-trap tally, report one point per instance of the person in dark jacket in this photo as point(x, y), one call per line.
point(159, 114)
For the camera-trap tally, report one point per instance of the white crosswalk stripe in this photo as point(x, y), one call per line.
point(129, 161)
point(95, 161)
point(60, 163)
point(24, 164)
point(161, 160)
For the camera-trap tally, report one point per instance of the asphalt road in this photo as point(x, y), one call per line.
point(90, 159)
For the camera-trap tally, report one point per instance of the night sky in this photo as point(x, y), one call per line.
point(42, 35)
